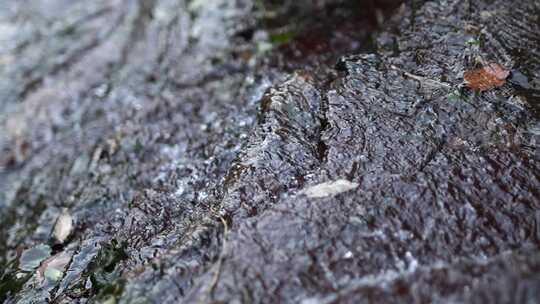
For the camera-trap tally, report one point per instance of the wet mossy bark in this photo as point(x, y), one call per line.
point(181, 136)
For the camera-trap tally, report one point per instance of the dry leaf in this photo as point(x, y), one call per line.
point(486, 78)
point(330, 188)
point(63, 226)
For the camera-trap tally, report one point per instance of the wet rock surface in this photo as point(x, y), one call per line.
point(210, 151)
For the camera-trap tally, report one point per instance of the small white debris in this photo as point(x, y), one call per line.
point(53, 268)
point(63, 226)
point(348, 255)
point(330, 188)
point(413, 263)
point(53, 274)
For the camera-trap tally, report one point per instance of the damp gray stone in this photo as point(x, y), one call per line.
point(31, 258)
point(183, 135)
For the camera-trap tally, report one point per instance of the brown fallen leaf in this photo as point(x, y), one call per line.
point(486, 78)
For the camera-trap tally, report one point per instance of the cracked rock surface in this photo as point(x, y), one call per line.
point(210, 151)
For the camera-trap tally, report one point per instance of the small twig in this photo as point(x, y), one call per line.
point(422, 80)
point(217, 273)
